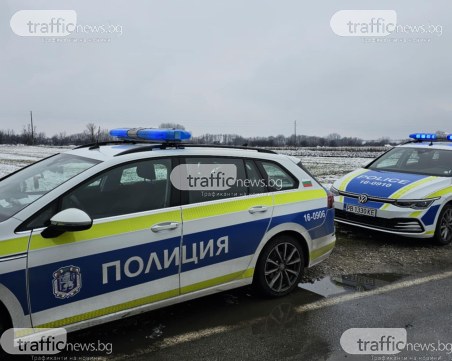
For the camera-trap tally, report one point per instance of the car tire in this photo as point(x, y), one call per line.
point(280, 267)
point(443, 231)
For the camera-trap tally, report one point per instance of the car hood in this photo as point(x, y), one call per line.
point(394, 185)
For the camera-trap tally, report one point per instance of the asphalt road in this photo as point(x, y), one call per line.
point(370, 281)
point(398, 283)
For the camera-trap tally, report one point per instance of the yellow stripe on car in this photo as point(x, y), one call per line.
point(298, 196)
point(225, 207)
point(10, 247)
point(440, 193)
point(405, 190)
point(321, 251)
point(106, 229)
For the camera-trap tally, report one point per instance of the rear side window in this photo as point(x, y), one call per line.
point(278, 178)
point(256, 184)
point(212, 178)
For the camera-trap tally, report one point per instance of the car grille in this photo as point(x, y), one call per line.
point(401, 225)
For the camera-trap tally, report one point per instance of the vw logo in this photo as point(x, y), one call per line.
point(362, 198)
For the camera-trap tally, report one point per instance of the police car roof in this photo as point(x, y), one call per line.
point(105, 152)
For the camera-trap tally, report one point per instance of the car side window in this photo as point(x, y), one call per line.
point(278, 179)
point(204, 171)
point(256, 184)
point(135, 187)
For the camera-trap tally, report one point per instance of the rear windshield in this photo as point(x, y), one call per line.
point(428, 161)
point(24, 187)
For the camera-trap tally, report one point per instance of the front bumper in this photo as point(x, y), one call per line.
point(407, 226)
point(390, 218)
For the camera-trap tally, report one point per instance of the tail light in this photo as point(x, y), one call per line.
point(330, 199)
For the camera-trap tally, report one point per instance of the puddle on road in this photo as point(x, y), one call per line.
point(334, 285)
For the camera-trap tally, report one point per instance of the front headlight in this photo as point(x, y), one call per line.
point(415, 203)
point(334, 191)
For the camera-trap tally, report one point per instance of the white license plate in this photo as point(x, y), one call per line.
point(364, 211)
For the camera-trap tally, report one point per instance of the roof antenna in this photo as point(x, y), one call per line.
point(96, 145)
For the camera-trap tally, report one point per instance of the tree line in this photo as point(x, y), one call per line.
point(93, 133)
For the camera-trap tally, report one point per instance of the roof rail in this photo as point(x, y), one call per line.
point(151, 147)
point(260, 150)
point(108, 142)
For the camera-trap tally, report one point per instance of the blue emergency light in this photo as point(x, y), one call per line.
point(449, 137)
point(423, 136)
point(151, 134)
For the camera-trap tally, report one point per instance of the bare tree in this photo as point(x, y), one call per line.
point(92, 132)
point(171, 125)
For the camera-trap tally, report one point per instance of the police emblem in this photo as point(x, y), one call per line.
point(67, 282)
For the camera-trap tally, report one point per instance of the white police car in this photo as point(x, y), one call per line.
point(406, 191)
point(109, 230)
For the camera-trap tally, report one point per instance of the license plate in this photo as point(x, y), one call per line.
point(364, 211)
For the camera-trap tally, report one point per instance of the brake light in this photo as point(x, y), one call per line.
point(330, 199)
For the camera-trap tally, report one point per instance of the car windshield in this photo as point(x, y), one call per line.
point(22, 188)
point(428, 161)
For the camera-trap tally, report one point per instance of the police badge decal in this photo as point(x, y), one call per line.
point(67, 282)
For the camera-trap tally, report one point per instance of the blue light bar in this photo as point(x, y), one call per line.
point(151, 134)
point(423, 136)
point(449, 137)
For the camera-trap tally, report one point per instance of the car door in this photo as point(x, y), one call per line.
point(222, 228)
point(128, 258)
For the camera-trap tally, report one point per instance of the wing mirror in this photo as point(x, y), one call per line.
point(69, 220)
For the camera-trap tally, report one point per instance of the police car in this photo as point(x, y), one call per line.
point(406, 191)
point(113, 229)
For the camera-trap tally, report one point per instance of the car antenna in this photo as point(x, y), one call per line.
point(96, 145)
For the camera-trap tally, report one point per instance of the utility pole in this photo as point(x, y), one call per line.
point(32, 129)
point(295, 132)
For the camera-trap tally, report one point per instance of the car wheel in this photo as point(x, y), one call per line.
point(280, 267)
point(443, 232)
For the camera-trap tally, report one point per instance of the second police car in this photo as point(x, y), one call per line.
point(406, 191)
point(110, 230)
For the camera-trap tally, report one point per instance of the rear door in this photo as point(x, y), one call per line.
point(129, 258)
point(222, 227)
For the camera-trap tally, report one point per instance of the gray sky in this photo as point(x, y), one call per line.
point(250, 67)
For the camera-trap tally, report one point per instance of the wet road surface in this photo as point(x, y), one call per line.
point(413, 293)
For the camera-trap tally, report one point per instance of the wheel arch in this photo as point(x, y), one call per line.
point(296, 231)
point(11, 305)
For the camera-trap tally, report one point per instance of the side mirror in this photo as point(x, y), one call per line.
point(69, 220)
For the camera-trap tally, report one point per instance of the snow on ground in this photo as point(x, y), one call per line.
point(327, 164)
point(13, 157)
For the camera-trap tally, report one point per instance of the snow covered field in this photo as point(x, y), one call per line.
point(327, 164)
point(13, 157)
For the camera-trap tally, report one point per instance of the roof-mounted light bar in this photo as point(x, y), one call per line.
point(151, 134)
point(424, 136)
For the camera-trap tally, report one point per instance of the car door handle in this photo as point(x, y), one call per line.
point(165, 226)
point(258, 209)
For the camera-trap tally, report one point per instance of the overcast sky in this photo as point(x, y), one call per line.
point(250, 67)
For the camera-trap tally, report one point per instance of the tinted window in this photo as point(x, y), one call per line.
point(256, 183)
point(208, 186)
point(135, 187)
point(429, 161)
point(277, 177)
